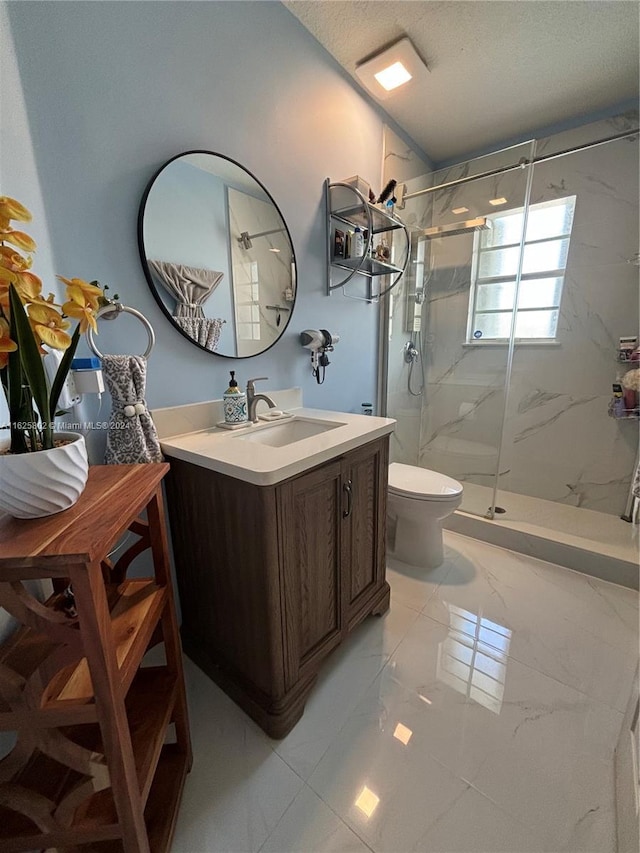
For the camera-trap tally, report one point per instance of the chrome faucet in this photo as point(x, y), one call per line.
point(253, 398)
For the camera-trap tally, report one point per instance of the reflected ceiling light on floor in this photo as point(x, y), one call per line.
point(402, 733)
point(496, 201)
point(395, 66)
point(459, 210)
point(274, 250)
point(367, 801)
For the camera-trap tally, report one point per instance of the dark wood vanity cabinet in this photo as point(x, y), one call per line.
point(272, 578)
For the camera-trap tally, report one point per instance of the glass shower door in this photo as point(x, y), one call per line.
point(464, 282)
point(580, 290)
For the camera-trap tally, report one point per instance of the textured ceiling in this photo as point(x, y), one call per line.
point(499, 68)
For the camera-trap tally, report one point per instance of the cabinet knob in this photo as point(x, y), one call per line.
point(349, 493)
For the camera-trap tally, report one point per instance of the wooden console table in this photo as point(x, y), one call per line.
point(92, 763)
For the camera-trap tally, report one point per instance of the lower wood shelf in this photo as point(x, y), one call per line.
point(92, 763)
point(135, 607)
point(90, 813)
point(161, 812)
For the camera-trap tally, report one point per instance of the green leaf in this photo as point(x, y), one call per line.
point(15, 399)
point(32, 365)
point(62, 372)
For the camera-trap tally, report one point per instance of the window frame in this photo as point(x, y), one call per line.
point(477, 282)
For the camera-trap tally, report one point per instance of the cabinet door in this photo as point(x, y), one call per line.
point(309, 521)
point(364, 531)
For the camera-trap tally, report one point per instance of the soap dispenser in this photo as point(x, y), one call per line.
point(234, 403)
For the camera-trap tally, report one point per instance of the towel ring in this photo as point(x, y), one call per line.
point(110, 312)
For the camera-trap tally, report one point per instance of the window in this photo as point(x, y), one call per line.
point(495, 266)
point(248, 304)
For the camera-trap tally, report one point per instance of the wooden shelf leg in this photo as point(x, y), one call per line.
point(173, 647)
point(95, 627)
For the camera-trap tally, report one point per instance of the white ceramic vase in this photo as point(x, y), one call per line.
point(33, 485)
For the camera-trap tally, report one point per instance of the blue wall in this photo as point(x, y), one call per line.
point(112, 90)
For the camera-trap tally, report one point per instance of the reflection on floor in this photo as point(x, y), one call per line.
point(479, 714)
point(572, 536)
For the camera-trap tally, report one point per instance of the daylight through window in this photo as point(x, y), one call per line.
point(495, 267)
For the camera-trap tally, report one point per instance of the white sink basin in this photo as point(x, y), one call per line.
point(270, 451)
point(287, 432)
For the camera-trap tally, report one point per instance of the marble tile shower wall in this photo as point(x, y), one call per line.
point(559, 442)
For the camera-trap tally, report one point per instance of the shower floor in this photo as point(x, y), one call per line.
point(595, 543)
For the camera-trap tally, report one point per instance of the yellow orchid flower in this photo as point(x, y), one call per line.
point(81, 310)
point(24, 307)
point(20, 239)
point(40, 312)
point(12, 260)
point(49, 300)
point(82, 292)
point(12, 209)
point(28, 285)
point(49, 325)
point(6, 344)
point(7, 276)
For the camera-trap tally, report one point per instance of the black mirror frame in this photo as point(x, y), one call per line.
point(147, 271)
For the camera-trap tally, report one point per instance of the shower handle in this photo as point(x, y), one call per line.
point(410, 352)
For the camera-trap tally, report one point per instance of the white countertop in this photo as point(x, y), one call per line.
point(222, 451)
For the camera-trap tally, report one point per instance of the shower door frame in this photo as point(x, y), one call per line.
point(383, 318)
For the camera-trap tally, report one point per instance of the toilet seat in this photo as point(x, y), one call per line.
point(421, 484)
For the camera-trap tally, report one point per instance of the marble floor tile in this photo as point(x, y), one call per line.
point(348, 673)
point(540, 751)
point(583, 632)
point(390, 793)
point(413, 586)
point(479, 715)
point(309, 825)
point(238, 788)
point(475, 823)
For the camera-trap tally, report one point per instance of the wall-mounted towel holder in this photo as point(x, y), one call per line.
point(110, 312)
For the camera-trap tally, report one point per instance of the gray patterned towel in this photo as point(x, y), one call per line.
point(132, 434)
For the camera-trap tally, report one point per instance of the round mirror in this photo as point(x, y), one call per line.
point(217, 254)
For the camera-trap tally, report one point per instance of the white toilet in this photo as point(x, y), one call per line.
point(419, 501)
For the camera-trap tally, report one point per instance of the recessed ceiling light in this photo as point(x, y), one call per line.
point(367, 801)
point(496, 201)
point(393, 76)
point(402, 733)
point(395, 66)
point(459, 210)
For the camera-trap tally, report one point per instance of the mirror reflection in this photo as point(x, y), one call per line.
point(217, 254)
